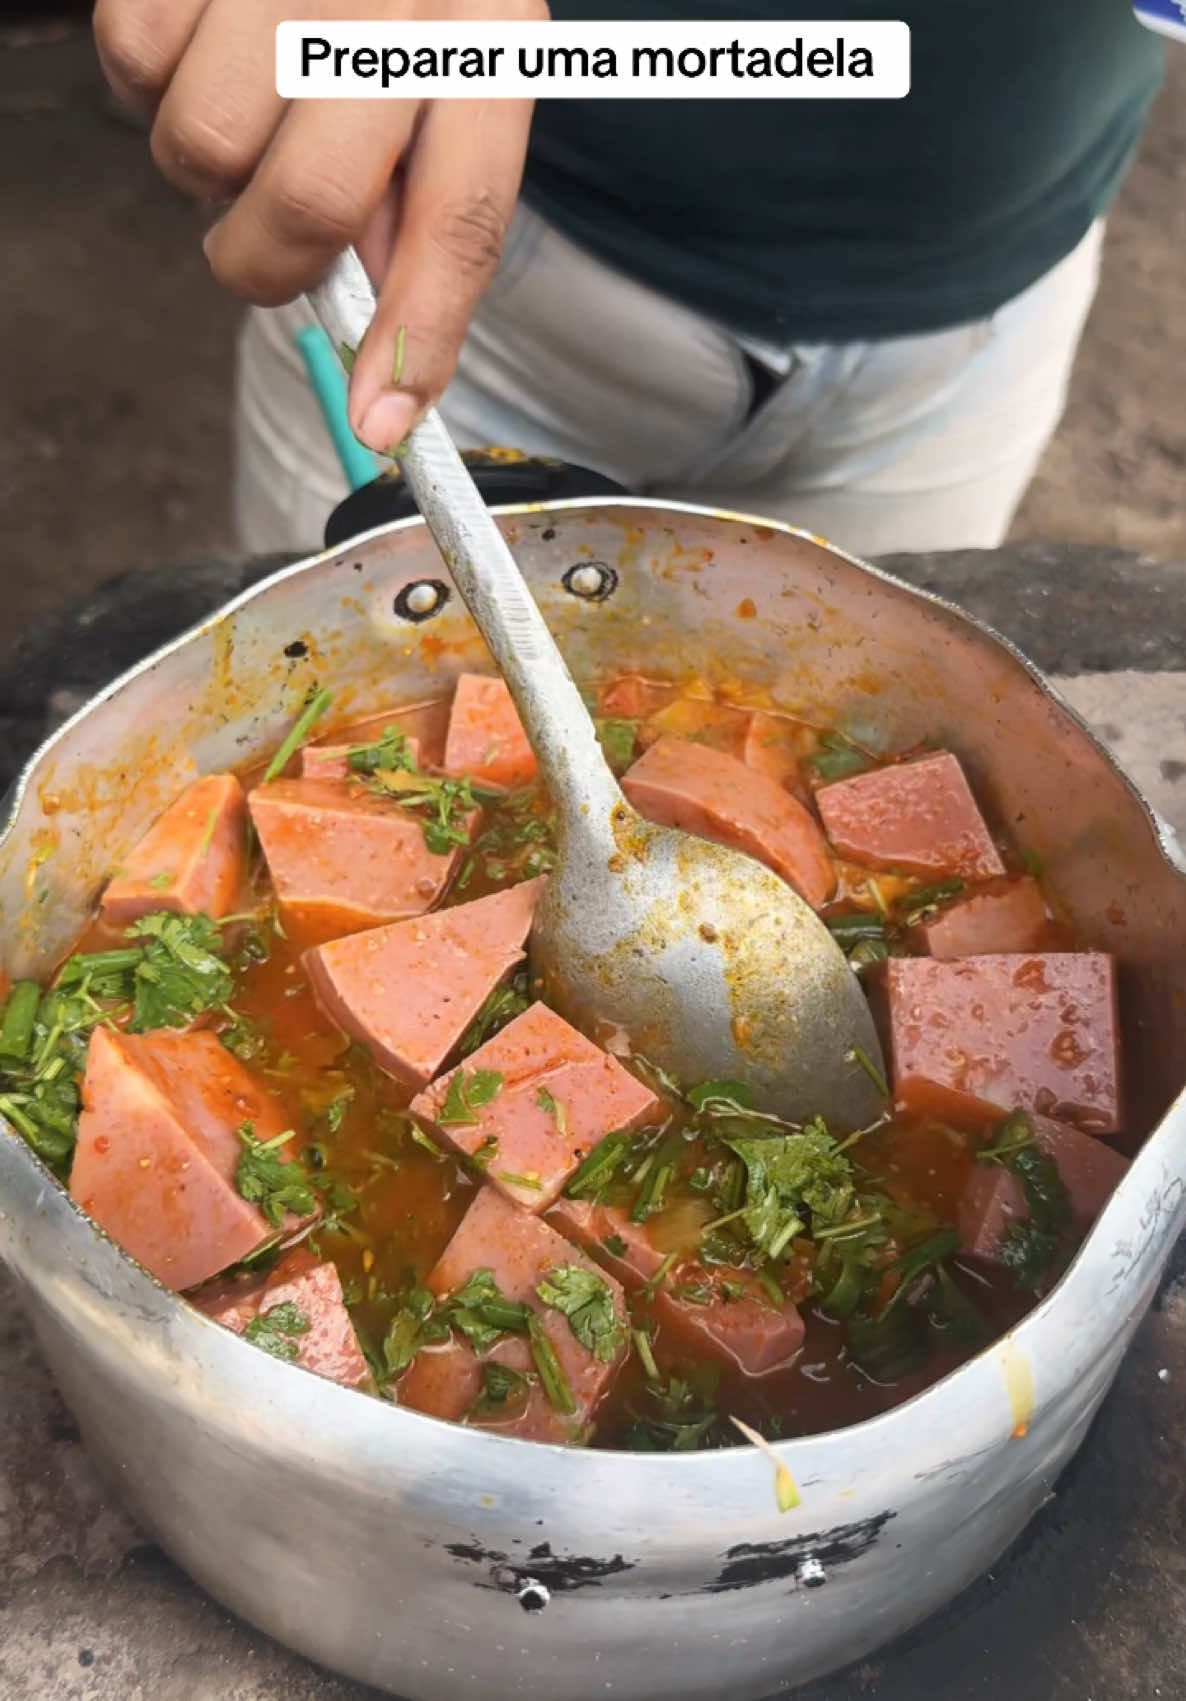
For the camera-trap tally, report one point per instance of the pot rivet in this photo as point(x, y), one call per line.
point(592, 580)
point(533, 1596)
point(811, 1573)
point(422, 599)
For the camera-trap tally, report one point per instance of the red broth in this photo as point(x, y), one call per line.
point(393, 1198)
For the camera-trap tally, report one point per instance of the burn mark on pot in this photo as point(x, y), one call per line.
point(543, 1569)
point(752, 1563)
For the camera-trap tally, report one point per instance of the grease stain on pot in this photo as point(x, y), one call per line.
point(1019, 1385)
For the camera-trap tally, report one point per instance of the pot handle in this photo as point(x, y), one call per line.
point(503, 476)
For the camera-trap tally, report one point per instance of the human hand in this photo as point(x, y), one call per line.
point(424, 189)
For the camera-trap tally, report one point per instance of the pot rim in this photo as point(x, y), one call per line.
point(1076, 1279)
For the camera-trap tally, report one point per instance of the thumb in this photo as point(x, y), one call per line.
point(458, 194)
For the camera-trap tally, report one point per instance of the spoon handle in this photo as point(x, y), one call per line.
point(560, 729)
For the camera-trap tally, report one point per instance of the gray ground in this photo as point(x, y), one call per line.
point(117, 350)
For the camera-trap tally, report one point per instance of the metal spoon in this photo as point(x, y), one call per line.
point(705, 960)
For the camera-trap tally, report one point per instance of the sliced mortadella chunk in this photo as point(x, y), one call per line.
point(631, 697)
point(341, 856)
point(158, 1151)
point(919, 816)
point(724, 1313)
point(485, 739)
point(713, 794)
point(192, 860)
point(1089, 1170)
point(328, 1346)
point(771, 748)
point(1008, 917)
point(410, 990)
point(331, 761)
point(546, 1097)
point(1033, 1032)
point(520, 1252)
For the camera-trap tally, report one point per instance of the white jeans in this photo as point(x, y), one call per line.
point(911, 443)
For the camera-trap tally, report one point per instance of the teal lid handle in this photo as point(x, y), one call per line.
point(329, 386)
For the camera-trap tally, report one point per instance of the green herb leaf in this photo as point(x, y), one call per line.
point(615, 1245)
point(16, 1026)
point(503, 1391)
point(723, 1096)
point(499, 1008)
point(312, 712)
point(480, 1312)
point(920, 905)
point(390, 752)
point(618, 739)
point(180, 974)
point(466, 1095)
point(586, 1300)
point(674, 1417)
point(792, 1181)
point(858, 1055)
point(412, 1327)
point(837, 758)
point(1029, 1248)
point(595, 1174)
point(548, 1368)
point(265, 1179)
point(554, 1109)
point(662, 1172)
point(273, 1331)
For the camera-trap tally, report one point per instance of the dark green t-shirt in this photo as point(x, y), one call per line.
point(835, 220)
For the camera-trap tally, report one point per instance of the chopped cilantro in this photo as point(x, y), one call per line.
point(858, 1055)
point(274, 1331)
point(486, 1152)
point(721, 1096)
point(1028, 1248)
point(837, 757)
point(672, 1417)
point(594, 1174)
point(554, 1109)
point(315, 706)
point(413, 1326)
point(466, 1095)
point(615, 1245)
point(921, 904)
point(503, 1391)
point(389, 753)
point(480, 1312)
point(498, 1008)
point(618, 739)
point(174, 976)
point(586, 1300)
point(792, 1181)
point(265, 1179)
point(548, 1367)
point(420, 1138)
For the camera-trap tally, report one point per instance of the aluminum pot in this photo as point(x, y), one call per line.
point(440, 1562)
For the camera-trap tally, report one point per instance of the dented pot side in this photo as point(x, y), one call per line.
point(443, 1558)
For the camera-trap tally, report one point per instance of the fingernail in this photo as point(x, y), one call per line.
point(388, 420)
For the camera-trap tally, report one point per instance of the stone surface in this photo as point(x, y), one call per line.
point(1089, 1604)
